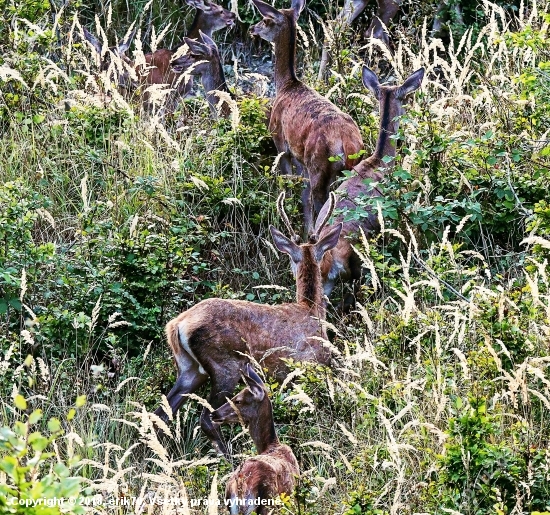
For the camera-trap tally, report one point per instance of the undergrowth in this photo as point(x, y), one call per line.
point(112, 222)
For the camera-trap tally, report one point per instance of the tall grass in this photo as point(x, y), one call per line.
point(449, 333)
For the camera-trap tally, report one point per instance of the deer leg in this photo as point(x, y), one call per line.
point(189, 379)
point(387, 9)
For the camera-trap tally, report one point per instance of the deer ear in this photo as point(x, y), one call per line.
point(328, 241)
point(196, 47)
point(90, 38)
point(286, 245)
point(207, 40)
point(124, 45)
point(370, 81)
point(250, 372)
point(257, 389)
point(298, 7)
point(266, 10)
point(412, 83)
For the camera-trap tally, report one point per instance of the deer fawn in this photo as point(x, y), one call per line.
point(272, 472)
point(209, 18)
point(342, 261)
point(204, 54)
point(212, 339)
point(304, 124)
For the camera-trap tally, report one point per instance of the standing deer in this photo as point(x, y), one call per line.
point(304, 124)
point(212, 339)
point(209, 18)
point(351, 10)
point(342, 261)
point(273, 471)
point(203, 52)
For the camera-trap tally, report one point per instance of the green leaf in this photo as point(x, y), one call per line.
point(80, 401)
point(35, 416)
point(54, 425)
point(20, 402)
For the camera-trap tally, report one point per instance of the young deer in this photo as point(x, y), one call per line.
point(212, 339)
point(342, 261)
point(304, 124)
point(270, 473)
point(203, 52)
point(209, 18)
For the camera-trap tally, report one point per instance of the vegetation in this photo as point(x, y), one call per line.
point(113, 221)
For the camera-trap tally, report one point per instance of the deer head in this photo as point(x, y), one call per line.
point(114, 56)
point(202, 52)
point(247, 402)
point(210, 18)
point(275, 21)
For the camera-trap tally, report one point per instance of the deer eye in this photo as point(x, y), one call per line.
point(236, 402)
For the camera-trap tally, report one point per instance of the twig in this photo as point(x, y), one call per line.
point(442, 281)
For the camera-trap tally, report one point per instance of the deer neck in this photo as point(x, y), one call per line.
point(309, 289)
point(214, 79)
point(285, 56)
point(385, 145)
point(262, 429)
point(197, 26)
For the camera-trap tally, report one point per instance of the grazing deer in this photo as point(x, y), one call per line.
point(209, 18)
point(204, 54)
point(304, 124)
point(351, 10)
point(212, 339)
point(342, 261)
point(273, 471)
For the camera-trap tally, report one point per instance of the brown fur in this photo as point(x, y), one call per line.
point(211, 339)
point(273, 471)
point(209, 18)
point(210, 71)
point(342, 261)
point(305, 125)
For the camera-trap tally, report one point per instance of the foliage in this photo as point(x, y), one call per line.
point(29, 486)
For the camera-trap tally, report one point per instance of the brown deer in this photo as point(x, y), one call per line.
point(342, 261)
point(386, 10)
point(213, 338)
point(209, 18)
point(204, 54)
point(260, 478)
point(304, 124)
